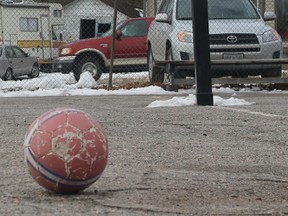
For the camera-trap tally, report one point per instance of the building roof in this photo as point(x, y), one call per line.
point(127, 7)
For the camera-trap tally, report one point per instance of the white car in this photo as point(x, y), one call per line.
point(236, 29)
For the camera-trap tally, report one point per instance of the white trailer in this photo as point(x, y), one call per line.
point(35, 27)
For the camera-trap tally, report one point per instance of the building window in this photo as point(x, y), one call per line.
point(102, 28)
point(28, 24)
point(57, 13)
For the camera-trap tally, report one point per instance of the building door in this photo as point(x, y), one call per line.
point(87, 28)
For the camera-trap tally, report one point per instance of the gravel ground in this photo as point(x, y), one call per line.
point(192, 160)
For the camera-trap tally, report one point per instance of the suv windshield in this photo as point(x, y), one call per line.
point(220, 9)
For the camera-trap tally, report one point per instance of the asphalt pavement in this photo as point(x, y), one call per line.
point(190, 160)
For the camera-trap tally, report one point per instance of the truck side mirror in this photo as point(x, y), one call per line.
point(118, 34)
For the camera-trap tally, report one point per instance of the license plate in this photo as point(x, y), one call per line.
point(233, 56)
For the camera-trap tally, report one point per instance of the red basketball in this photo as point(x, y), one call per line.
point(66, 150)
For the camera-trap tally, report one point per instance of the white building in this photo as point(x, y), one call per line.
point(87, 19)
point(31, 26)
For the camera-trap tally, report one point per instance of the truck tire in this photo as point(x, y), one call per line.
point(156, 74)
point(89, 64)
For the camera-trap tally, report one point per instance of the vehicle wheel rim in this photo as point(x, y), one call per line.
point(150, 66)
point(90, 67)
point(34, 72)
point(8, 75)
point(167, 78)
point(170, 58)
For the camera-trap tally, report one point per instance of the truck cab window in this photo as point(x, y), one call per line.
point(136, 28)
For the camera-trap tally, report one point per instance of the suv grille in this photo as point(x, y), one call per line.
point(237, 43)
point(217, 39)
point(235, 50)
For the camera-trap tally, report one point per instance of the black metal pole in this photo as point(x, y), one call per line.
point(113, 44)
point(203, 80)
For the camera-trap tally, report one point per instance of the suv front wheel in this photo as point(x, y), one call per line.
point(156, 74)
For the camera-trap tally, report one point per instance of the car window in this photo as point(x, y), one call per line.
point(220, 9)
point(184, 10)
point(163, 7)
point(19, 53)
point(135, 28)
point(231, 9)
point(166, 7)
point(170, 8)
point(9, 52)
point(110, 31)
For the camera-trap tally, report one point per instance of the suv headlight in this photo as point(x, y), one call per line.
point(66, 51)
point(185, 37)
point(270, 35)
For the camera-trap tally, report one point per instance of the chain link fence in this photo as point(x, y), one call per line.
point(73, 41)
point(242, 43)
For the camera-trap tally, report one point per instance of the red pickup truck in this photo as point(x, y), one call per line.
point(93, 54)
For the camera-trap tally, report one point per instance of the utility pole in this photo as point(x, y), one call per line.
point(203, 80)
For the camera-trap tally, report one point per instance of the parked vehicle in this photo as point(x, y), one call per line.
point(93, 54)
point(236, 29)
point(15, 62)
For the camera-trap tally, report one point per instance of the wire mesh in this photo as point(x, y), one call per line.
point(237, 31)
point(73, 38)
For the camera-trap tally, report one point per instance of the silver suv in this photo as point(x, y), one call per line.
point(236, 29)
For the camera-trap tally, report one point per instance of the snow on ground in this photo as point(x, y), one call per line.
point(57, 84)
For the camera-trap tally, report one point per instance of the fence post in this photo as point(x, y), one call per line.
point(113, 44)
point(203, 80)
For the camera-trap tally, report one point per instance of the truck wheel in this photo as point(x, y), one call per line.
point(89, 64)
point(156, 74)
point(34, 72)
